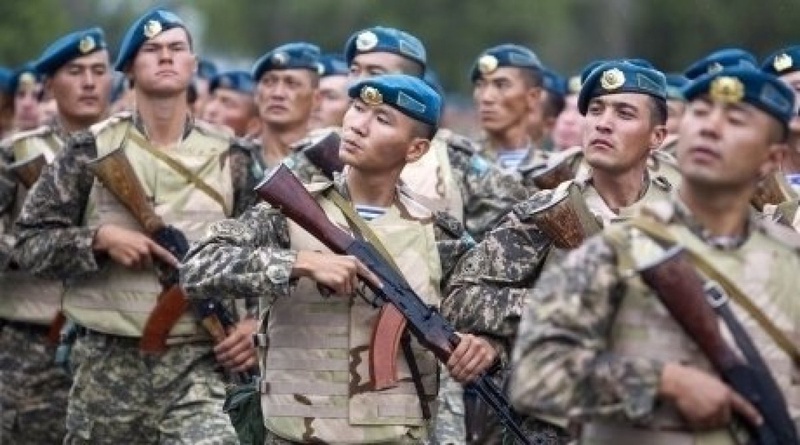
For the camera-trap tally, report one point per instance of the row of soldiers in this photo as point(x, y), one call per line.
point(128, 213)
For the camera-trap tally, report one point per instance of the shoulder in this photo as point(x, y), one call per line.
point(779, 234)
point(214, 131)
point(457, 141)
point(21, 136)
point(113, 123)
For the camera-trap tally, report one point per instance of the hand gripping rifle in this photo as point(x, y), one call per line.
point(690, 300)
point(284, 191)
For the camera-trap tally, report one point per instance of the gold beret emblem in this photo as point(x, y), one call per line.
point(27, 79)
point(371, 96)
point(612, 79)
point(782, 62)
point(366, 41)
point(726, 89)
point(487, 63)
point(87, 44)
point(574, 85)
point(152, 28)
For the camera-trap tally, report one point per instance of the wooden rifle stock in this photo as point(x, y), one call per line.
point(324, 154)
point(774, 189)
point(566, 219)
point(28, 170)
point(284, 191)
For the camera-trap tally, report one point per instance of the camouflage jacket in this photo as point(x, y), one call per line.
point(252, 257)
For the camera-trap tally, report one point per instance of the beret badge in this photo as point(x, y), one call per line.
point(726, 89)
point(574, 84)
point(487, 63)
point(714, 68)
point(612, 79)
point(366, 41)
point(320, 69)
point(152, 28)
point(371, 96)
point(280, 59)
point(782, 62)
point(87, 44)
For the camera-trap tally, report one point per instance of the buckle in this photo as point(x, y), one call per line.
point(715, 294)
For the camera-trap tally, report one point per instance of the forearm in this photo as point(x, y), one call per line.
point(56, 253)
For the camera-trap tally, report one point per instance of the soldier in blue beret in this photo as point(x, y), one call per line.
point(76, 72)
point(206, 70)
point(333, 100)
point(287, 79)
point(676, 105)
point(629, 372)
point(232, 103)
point(568, 129)
point(785, 64)
point(26, 88)
point(74, 227)
point(382, 50)
point(507, 87)
point(722, 58)
point(551, 104)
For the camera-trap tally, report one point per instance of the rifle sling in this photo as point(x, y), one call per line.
point(182, 170)
point(362, 229)
point(655, 230)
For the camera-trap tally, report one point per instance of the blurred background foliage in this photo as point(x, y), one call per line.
point(565, 34)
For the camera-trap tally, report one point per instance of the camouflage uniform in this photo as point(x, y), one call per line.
point(254, 256)
point(492, 282)
point(33, 389)
point(56, 228)
point(593, 346)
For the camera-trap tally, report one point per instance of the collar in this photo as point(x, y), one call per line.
point(685, 216)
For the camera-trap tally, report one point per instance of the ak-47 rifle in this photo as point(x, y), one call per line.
point(28, 170)
point(283, 190)
point(689, 300)
point(116, 174)
point(324, 154)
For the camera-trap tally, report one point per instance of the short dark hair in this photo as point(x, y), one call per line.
point(658, 111)
point(424, 131)
point(412, 67)
point(531, 76)
point(553, 105)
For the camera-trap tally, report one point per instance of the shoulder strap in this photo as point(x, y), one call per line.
point(183, 171)
point(658, 231)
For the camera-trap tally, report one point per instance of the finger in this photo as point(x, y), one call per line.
point(366, 274)
point(741, 406)
point(162, 254)
point(246, 366)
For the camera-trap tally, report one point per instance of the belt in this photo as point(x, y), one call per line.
point(108, 339)
point(27, 328)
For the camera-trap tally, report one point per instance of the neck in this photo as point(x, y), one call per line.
point(511, 139)
point(164, 119)
point(71, 125)
point(276, 144)
point(620, 190)
point(721, 211)
point(367, 188)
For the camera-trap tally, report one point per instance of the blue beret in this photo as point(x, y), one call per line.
point(379, 39)
point(26, 74)
point(5, 79)
point(783, 61)
point(408, 94)
point(68, 47)
point(728, 57)
point(119, 84)
point(239, 81)
point(621, 76)
point(507, 55)
point(675, 85)
point(432, 79)
point(553, 82)
point(206, 69)
point(741, 84)
point(333, 65)
point(296, 55)
point(574, 84)
point(145, 27)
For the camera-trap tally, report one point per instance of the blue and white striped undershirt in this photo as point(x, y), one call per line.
point(370, 212)
point(510, 159)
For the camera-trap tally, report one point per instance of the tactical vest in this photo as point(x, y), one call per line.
point(24, 297)
point(118, 300)
point(432, 177)
point(315, 360)
point(763, 268)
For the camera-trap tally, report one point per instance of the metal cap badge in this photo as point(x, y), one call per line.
point(366, 41)
point(152, 28)
point(87, 45)
point(612, 79)
point(782, 62)
point(726, 89)
point(487, 64)
point(371, 96)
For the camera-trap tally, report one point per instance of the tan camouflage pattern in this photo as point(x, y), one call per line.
point(33, 390)
point(570, 357)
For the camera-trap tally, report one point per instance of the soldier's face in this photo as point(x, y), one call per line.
point(231, 108)
point(165, 64)
point(82, 88)
point(675, 110)
point(377, 63)
point(27, 113)
point(333, 102)
point(619, 133)
point(378, 138)
point(792, 80)
point(568, 131)
point(504, 100)
point(727, 144)
point(285, 98)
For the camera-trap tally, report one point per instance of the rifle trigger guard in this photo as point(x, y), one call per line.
point(715, 294)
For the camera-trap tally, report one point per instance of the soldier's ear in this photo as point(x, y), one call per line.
point(657, 136)
point(777, 152)
point(417, 149)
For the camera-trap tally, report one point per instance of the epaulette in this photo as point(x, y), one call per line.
point(779, 233)
point(457, 141)
point(111, 122)
point(313, 136)
point(661, 211)
point(38, 132)
point(213, 130)
point(449, 224)
point(525, 209)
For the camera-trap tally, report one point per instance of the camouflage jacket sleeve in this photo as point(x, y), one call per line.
point(452, 242)
point(243, 175)
point(51, 240)
point(8, 184)
point(561, 362)
point(488, 193)
point(248, 257)
point(492, 282)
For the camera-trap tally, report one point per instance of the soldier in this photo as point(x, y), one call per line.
point(231, 103)
point(333, 100)
point(72, 227)
point(507, 89)
point(390, 123)
point(26, 89)
point(597, 345)
point(785, 63)
point(551, 104)
point(33, 389)
point(625, 109)
point(719, 59)
point(568, 129)
point(206, 71)
point(286, 91)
